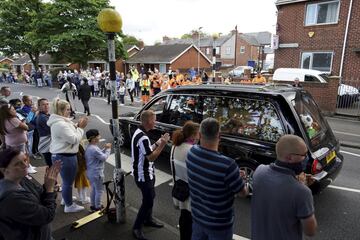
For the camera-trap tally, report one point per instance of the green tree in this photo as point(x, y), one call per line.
point(19, 28)
point(131, 40)
point(75, 34)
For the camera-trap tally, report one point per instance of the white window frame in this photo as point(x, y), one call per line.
point(312, 57)
point(242, 49)
point(317, 4)
point(228, 50)
point(217, 50)
point(207, 51)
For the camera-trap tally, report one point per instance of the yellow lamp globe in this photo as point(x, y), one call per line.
point(109, 20)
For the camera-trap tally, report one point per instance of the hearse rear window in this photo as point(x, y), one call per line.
point(256, 119)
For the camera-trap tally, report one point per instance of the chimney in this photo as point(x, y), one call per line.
point(166, 39)
point(141, 45)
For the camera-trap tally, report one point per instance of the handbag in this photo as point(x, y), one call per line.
point(180, 190)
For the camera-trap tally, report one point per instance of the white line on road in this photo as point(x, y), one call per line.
point(161, 177)
point(346, 133)
point(97, 116)
point(350, 153)
point(345, 188)
point(344, 119)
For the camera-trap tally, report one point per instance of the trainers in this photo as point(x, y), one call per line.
point(62, 203)
point(73, 208)
point(31, 170)
point(85, 201)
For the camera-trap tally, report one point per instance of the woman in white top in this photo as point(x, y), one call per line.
point(65, 140)
point(130, 86)
point(183, 139)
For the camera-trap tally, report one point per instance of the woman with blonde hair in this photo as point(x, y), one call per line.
point(183, 139)
point(65, 140)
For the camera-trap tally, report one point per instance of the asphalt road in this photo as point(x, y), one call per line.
point(337, 207)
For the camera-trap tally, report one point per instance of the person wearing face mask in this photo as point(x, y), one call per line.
point(183, 139)
point(282, 206)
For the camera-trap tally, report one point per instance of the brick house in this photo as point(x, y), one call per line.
point(249, 47)
point(6, 61)
point(322, 35)
point(45, 62)
point(162, 57)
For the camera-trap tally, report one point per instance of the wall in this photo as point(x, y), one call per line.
point(324, 94)
point(291, 29)
point(251, 52)
point(189, 59)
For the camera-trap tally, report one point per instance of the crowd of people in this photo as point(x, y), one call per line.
point(213, 180)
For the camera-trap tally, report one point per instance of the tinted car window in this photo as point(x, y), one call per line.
point(184, 108)
point(159, 107)
point(256, 119)
point(309, 78)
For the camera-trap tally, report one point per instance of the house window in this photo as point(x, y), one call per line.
point(217, 50)
point(242, 49)
point(322, 13)
point(207, 51)
point(320, 61)
point(228, 50)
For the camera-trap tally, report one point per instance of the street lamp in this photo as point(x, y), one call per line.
point(198, 60)
point(214, 37)
point(110, 23)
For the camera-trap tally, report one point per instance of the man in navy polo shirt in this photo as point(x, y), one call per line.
point(282, 205)
point(214, 179)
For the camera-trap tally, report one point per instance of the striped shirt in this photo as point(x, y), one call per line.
point(213, 181)
point(143, 169)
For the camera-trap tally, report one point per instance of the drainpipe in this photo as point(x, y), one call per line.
point(345, 39)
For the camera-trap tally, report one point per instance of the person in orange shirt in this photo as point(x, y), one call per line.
point(156, 84)
point(172, 83)
point(165, 82)
point(145, 89)
point(259, 79)
point(179, 77)
point(197, 80)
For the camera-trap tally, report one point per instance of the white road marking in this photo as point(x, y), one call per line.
point(237, 237)
point(161, 177)
point(346, 133)
point(350, 153)
point(97, 116)
point(344, 188)
point(101, 99)
point(343, 119)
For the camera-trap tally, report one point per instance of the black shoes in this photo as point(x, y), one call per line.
point(154, 224)
point(138, 234)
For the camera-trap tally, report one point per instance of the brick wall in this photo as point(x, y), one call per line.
point(324, 94)
point(251, 52)
point(291, 29)
point(189, 59)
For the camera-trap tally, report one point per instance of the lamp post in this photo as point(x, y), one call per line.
point(214, 37)
point(198, 60)
point(110, 23)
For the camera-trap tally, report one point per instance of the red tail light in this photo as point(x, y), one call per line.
point(316, 167)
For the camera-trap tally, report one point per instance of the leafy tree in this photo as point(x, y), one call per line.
point(19, 28)
point(131, 40)
point(75, 35)
point(189, 35)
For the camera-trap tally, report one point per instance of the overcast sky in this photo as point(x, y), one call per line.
point(151, 20)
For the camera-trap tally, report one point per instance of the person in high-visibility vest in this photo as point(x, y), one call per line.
point(135, 77)
point(145, 89)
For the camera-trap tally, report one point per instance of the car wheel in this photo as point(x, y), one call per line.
point(249, 169)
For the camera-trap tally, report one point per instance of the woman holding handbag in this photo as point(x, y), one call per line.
point(183, 139)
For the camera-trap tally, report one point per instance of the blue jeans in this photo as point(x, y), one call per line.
point(67, 173)
point(30, 137)
point(97, 190)
point(202, 233)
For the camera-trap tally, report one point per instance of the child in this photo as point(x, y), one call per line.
point(122, 93)
point(95, 159)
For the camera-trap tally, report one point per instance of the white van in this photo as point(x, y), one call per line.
point(304, 75)
point(347, 94)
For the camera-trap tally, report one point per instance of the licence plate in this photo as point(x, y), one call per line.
point(330, 157)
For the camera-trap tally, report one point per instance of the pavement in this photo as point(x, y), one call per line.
point(101, 228)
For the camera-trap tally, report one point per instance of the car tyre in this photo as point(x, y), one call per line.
point(249, 169)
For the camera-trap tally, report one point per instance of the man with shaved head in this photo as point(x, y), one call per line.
point(282, 206)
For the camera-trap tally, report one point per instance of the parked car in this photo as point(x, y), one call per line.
point(252, 120)
point(240, 71)
point(347, 94)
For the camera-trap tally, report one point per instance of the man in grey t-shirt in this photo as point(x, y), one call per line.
point(282, 205)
